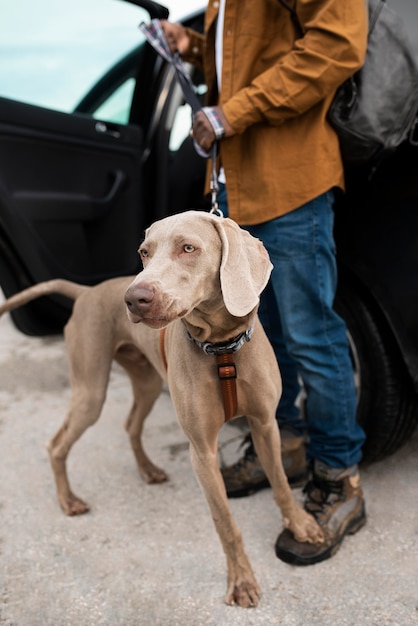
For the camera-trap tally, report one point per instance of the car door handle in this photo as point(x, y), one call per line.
point(114, 191)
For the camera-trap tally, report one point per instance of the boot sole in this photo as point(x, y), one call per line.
point(351, 529)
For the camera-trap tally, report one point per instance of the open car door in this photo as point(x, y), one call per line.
point(72, 143)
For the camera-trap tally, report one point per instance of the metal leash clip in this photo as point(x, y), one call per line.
point(214, 187)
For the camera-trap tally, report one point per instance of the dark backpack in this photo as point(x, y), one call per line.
point(375, 110)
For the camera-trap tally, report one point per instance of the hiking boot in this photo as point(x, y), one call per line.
point(247, 476)
point(335, 499)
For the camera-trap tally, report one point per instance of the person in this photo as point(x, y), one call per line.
point(269, 89)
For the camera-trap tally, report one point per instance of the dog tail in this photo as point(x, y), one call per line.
point(60, 286)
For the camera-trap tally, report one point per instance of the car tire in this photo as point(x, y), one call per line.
point(387, 406)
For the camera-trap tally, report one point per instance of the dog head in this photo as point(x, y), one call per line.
point(191, 260)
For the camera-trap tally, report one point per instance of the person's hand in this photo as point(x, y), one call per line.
point(203, 132)
point(176, 36)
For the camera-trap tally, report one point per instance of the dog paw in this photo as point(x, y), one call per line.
point(305, 528)
point(245, 594)
point(314, 532)
point(152, 474)
point(71, 505)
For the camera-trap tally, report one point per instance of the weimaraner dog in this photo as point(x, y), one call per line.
point(201, 281)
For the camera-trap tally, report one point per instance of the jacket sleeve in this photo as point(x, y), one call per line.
point(332, 48)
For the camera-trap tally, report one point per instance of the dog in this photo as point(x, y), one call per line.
point(197, 296)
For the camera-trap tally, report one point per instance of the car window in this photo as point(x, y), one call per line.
point(117, 106)
point(53, 53)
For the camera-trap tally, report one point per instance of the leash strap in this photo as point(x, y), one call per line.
point(227, 373)
point(154, 34)
point(156, 38)
point(162, 348)
point(214, 185)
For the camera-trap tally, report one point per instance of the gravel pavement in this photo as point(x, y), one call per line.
point(148, 555)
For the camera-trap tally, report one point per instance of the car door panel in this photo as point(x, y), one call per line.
point(75, 183)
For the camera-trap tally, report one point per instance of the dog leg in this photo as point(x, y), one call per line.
point(146, 386)
point(242, 587)
point(90, 355)
point(267, 444)
point(85, 408)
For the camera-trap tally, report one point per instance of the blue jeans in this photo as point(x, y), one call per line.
point(308, 337)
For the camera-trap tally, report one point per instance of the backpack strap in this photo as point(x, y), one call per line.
point(293, 16)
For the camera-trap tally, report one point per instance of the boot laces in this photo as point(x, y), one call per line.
point(322, 494)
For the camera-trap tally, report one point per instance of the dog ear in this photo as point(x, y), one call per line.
point(245, 267)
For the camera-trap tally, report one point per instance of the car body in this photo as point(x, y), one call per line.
point(81, 178)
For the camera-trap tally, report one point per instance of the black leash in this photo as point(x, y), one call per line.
point(156, 38)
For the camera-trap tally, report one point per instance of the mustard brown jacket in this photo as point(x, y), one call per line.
point(276, 89)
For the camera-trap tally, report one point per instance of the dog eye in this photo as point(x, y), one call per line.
point(189, 248)
point(143, 252)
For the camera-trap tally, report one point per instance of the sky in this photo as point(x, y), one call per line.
point(178, 8)
point(58, 12)
point(52, 51)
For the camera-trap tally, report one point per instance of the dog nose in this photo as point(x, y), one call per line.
point(139, 299)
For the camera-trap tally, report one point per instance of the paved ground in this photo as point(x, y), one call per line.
point(148, 555)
